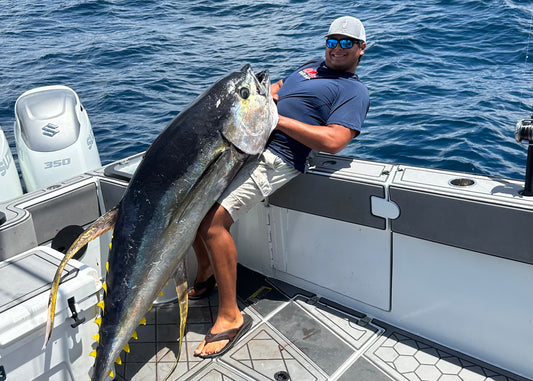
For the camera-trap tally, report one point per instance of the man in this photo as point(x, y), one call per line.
point(321, 107)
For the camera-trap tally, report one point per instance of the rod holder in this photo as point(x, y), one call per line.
point(524, 132)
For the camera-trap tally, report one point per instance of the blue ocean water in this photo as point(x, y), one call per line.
point(448, 79)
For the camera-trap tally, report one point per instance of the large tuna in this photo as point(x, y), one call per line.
point(182, 174)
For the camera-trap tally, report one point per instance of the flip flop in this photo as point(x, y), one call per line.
point(233, 335)
point(208, 285)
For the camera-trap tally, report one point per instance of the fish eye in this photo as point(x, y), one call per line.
point(244, 92)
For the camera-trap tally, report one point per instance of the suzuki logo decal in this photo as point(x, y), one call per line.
point(50, 130)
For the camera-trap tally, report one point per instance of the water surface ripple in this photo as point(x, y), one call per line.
point(448, 79)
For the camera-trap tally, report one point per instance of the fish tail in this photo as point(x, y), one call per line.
point(97, 228)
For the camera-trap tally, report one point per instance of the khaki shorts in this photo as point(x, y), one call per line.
point(256, 180)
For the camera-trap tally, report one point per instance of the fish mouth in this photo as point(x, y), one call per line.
point(264, 81)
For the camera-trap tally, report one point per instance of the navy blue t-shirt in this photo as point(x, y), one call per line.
point(316, 95)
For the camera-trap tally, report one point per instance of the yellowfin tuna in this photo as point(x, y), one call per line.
point(181, 176)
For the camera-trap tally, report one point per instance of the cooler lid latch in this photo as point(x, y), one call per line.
point(72, 307)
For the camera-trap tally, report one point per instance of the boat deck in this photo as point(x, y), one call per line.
point(295, 336)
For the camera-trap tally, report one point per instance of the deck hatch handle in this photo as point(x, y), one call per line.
point(384, 208)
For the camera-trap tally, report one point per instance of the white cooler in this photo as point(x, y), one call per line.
point(25, 282)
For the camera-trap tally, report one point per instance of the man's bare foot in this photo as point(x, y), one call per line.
point(221, 326)
point(203, 288)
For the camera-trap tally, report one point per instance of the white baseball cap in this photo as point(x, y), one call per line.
point(348, 26)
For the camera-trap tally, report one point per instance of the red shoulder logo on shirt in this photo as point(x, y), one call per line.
point(308, 73)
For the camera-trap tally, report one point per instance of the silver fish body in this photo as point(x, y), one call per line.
point(182, 174)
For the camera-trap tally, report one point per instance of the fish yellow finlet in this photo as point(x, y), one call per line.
point(143, 321)
point(161, 293)
point(111, 374)
point(118, 361)
point(127, 348)
point(104, 286)
point(96, 337)
point(98, 321)
point(134, 335)
point(93, 354)
point(107, 266)
point(101, 304)
point(109, 245)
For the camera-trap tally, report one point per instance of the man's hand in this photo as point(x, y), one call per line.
point(274, 90)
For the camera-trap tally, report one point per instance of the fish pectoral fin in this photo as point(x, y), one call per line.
point(218, 157)
point(97, 228)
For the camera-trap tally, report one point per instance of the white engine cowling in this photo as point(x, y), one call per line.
point(54, 137)
point(9, 177)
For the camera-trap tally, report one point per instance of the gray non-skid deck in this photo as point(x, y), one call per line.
point(294, 337)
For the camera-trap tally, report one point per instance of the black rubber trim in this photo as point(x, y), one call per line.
point(496, 230)
point(325, 196)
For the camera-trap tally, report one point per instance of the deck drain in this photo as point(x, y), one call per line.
point(282, 376)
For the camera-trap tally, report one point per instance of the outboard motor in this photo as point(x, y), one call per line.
point(9, 177)
point(54, 137)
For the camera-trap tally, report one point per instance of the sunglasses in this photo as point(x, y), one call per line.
point(345, 43)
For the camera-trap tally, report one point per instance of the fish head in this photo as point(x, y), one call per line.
point(253, 113)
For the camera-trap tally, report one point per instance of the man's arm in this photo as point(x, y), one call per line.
point(330, 139)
